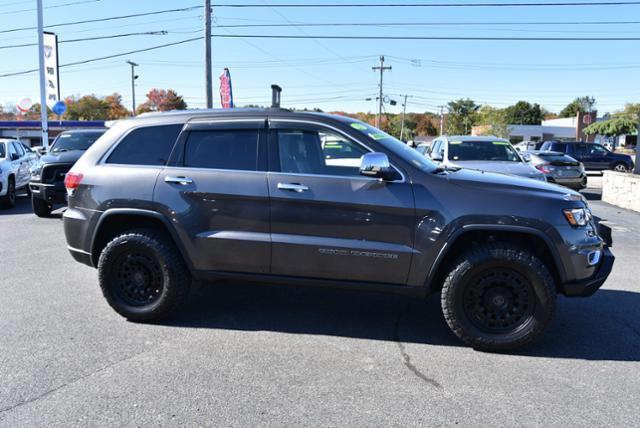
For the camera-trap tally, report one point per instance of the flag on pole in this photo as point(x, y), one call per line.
point(226, 93)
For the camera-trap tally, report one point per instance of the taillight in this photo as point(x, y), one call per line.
point(72, 180)
point(542, 168)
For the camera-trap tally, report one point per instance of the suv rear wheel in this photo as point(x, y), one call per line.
point(142, 276)
point(40, 207)
point(620, 167)
point(498, 297)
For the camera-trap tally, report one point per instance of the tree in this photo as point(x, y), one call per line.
point(580, 104)
point(116, 110)
point(524, 113)
point(87, 107)
point(426, 124)
point(162, 100)
point(461, 117)
point(493, 121)
point(612, 127)
point(631, 111)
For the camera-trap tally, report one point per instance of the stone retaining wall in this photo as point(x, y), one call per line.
point(621, 189)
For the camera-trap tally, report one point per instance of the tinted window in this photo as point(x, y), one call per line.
point(146, 146)
point(596, 149)
point(12, 149)
point(580, 148)
point(482, 150)
point(18, 149)
point(66, 142)
point(222, 149)
point(3, 151)
point(318, 152)
point(27, 148)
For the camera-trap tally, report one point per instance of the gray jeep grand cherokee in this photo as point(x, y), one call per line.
point(315, 199)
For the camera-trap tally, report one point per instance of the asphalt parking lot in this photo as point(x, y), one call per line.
point(247, 355)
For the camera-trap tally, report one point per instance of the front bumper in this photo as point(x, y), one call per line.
point(587, 287)
point(52, 193)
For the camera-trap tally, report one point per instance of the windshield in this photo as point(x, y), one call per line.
point(482, 151)
point(557, 159)
point(74, 141)
point(3, 151)
point(396, 146)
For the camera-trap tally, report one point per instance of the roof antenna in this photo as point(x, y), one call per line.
point(275, 96)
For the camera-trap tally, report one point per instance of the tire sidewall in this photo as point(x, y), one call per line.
point(108, 264)
point(453, 300)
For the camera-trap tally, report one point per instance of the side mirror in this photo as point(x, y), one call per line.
point(526, 157)
point(439, 157)
point(14, 156)
point(376, 165)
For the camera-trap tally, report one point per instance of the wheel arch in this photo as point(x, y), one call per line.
point(116, 220)
point(530, 238)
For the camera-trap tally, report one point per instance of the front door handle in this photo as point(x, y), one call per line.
point(183, 181)
point(293, 187)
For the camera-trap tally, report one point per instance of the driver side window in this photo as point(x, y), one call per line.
point(318, 152)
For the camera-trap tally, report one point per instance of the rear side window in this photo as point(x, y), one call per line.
point(3, 151)
point(222, 149)
point(151, 145)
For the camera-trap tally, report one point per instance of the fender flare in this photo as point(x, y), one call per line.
point(112, 212)
point(444, 250)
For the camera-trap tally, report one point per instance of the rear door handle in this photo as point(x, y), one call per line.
point(183, 181)
point(293, 187)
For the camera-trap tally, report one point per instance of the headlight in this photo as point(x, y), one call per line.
point(577, 216)
point(35, 169)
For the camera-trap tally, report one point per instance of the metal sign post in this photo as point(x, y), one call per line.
point(43, 87)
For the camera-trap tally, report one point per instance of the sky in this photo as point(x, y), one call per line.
point(335, 74)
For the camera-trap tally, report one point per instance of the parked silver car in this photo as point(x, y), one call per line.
point(559, 168)
point(15, 166)
point(482, 153)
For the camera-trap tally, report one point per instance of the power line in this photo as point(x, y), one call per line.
point(421, 24)
point(111, 18)
point(453, 38)
point(18, 73)
point(435, 5)
point(113, 36)
point(74, 3)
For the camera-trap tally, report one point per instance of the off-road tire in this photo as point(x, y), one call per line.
point(41, 208)
point(472, 271)
point(166, 272)
point(9, 200)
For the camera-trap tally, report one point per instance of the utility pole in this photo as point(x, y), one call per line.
point(43, 90)
point(133, 85)
point(404, 112)
point(207, 53)
point(441, 120)
point(382, 69)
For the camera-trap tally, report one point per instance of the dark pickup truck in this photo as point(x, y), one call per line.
point(594, 157)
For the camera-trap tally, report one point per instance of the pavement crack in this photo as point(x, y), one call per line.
point(406, 358)
point(71, 382)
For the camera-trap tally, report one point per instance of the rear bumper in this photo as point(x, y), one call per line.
point(81, 256)
point(586, 287)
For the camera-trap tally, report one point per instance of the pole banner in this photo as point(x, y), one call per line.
point(226, 92)
point(52, 75)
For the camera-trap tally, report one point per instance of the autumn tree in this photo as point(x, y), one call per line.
point(116, 110)
point(162, 100)
point(87, 107)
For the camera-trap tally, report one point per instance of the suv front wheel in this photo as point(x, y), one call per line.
point(41, 208)
point(498, 297)
point(142, 276)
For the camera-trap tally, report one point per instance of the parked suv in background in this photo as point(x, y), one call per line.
point(594, 157)
point(482, 153)
point(255, 194)
point(47, 176)
point(15, 163)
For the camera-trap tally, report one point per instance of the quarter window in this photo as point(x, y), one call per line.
point(222, 149)
point(151, 145)
point(318, 152)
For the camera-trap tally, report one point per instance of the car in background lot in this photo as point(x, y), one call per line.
point(594, 157)
point(423, 148)
point(315, 199)
point(47, 176)
point(15, 166)
point(490, 154)
point(525, 146)
point(559, 168)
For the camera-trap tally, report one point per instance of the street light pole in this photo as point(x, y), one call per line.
point(207, 53)
point(404, 112)
point(43, 90)
point(133, 85)
point(441, 120)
